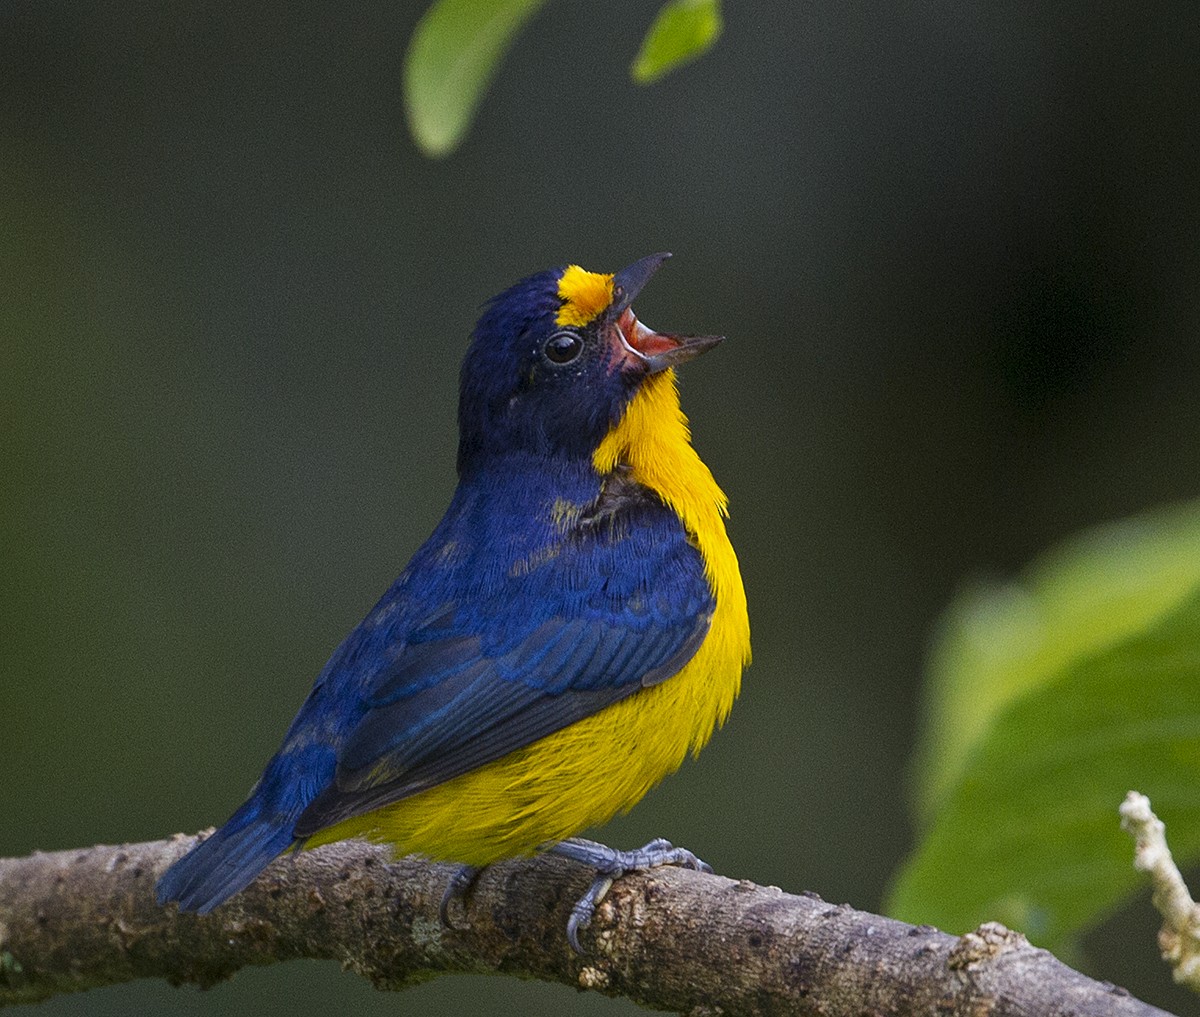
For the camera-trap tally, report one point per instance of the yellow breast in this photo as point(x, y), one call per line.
point(584, 774)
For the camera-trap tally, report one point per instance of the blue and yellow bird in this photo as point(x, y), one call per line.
point(574, 627)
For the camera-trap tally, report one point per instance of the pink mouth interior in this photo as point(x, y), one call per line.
point(646, 341)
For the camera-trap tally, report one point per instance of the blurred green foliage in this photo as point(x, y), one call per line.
point(457, 47)
point(452, 57)
point(683, 31)
point(1049, 698)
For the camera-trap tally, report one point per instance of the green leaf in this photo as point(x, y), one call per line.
point(451, 60)
point(996, 643)
point(683, 31)
point(1056, 696)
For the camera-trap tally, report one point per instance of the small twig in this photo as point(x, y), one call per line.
point(1179, 938)
point(675, 940)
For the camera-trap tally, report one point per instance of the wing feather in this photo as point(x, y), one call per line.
point(484, 679)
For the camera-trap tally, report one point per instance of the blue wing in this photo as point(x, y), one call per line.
point(469, 656)
point(580, 631)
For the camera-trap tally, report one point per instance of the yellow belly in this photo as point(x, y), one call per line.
point(568, 781)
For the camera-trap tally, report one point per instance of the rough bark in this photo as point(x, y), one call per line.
point(671, 940)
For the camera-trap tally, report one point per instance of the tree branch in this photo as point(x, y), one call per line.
point(671, 940)
point(1179, 938)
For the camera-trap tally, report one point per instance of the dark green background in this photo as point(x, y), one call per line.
point(954, 246)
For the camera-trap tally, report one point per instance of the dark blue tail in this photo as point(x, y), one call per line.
point(257, 833)
point(228, 861)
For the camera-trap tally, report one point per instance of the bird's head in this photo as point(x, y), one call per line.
point(555, 360)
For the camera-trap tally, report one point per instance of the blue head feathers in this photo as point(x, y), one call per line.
point(555, 359)
point(537, 380)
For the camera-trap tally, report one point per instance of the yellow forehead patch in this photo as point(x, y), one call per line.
point(584, 294)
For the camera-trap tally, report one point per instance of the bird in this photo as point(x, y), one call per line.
point(575, 626)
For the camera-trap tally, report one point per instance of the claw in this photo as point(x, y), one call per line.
point(612, 865)
point(584, 910)
point(457, 889)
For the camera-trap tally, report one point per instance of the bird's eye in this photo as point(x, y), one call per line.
point(563, 347)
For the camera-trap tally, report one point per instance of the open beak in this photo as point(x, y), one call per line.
point(643, 347)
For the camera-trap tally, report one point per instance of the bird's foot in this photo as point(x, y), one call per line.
point(459, 887)
point(612, 865)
